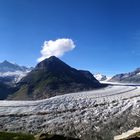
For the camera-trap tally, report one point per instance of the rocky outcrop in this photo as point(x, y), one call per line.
point(129, 135)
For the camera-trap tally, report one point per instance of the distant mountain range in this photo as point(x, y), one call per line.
point(131, 77)
point(100, 77)
point(6, 66)
point(12, 73)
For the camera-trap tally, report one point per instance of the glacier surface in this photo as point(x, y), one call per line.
point(93, 115)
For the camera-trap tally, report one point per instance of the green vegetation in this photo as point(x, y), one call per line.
point(15, 136)
point(21, 136)
point(45, 136)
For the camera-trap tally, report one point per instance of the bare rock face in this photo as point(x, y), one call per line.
point(129, 135)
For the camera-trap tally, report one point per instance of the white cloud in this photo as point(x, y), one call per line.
point(56, 48)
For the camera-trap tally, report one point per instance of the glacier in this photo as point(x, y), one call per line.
point(92, 115)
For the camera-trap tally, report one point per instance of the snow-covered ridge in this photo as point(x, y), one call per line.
point(3, 74)
point(17, 75)
point(101, 77)
point(11, 73)
point(89, 114)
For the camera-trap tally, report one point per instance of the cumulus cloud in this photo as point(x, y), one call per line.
point(56, 48)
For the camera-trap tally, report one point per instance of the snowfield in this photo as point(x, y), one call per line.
point(18, 75)
point(92, 115)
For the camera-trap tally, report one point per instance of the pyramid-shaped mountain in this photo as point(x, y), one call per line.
point(53, 77)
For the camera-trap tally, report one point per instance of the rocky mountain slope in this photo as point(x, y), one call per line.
point(53, 77)
point(131, 77)
point(5, 90)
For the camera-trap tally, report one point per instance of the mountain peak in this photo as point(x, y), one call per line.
point(6, 62)
point(7, 66)
point(52, 63)
point(51, 58)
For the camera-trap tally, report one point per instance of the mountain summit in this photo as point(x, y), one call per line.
point(53, 77)
point(7, 66)
point(52, 63)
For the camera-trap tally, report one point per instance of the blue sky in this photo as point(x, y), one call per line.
point(106, 32)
